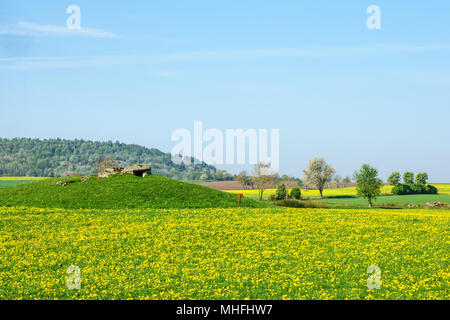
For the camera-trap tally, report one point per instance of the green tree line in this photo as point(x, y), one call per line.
point(60, 157)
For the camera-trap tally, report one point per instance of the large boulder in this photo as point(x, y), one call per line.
point(109, 172)
point(438, 204)
point(138, 170)
point(63, 183)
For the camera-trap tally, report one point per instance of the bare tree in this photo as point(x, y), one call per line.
point(245, 180)
point(264, 178)
point(318, 174)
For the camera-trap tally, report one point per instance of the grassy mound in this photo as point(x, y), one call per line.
point(119, 192)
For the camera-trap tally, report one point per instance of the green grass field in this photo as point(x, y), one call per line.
point(119, 192)
point(341, 197)
point(386, 201)
point(237, 253)
point(11, 183)
point(6, 182)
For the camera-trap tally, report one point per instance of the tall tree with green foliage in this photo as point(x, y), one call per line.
point(408, 178)
point(394, 178)
point(368, 185)
point(421, 178)
point(318, 174)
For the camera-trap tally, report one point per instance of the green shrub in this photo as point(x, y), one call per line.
point(419, 189)
point(402, 189)
point(292, 203)
point(429, 189)
point(295, 194)
point(281, 193)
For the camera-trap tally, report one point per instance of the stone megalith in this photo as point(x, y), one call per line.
point(138, 170)
point(109, 172)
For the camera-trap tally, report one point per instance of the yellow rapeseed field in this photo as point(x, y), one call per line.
point(272, 253)
point(443, 188)
point(349, 191)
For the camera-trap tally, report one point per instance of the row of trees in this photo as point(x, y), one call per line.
point(319, 173)
point(411, 185)
point(408, 178)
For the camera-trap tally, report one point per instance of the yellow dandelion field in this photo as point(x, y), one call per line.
point(273, 253)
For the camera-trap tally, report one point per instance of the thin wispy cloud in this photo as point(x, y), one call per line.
point(36, 30)
point(322, 52)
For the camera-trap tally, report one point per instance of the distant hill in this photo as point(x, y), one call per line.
point(119, 192)
point(59, 157)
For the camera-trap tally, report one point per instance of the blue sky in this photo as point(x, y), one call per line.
point(312, 69)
